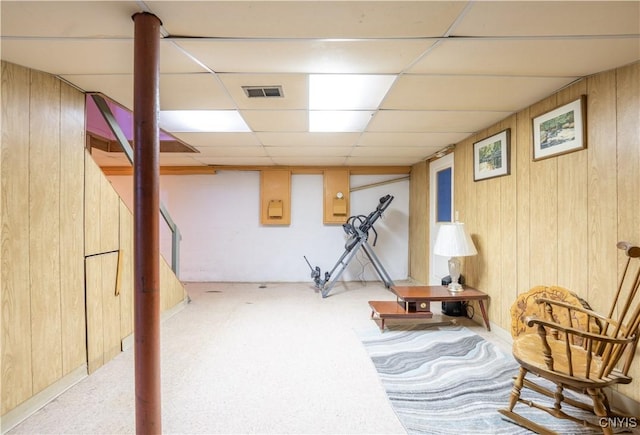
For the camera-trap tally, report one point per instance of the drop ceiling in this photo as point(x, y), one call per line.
point(460, 66)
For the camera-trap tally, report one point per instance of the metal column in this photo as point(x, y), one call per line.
point(146, 175)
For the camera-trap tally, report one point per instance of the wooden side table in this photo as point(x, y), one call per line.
point(382, 310)
point(414, 302)
point(424, 294)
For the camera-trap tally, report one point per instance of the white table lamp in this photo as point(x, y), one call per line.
point(453, 241)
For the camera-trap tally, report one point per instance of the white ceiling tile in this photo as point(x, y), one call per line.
point(118, 87)
point(277, 120)
point(529, 57)
point(502, 57)
point(88, 56)
point(306, 56)
point(168, 159)
point(322, 19)
point(497, 93)
point(380, 161)
point(408, 139)
point(98, 19)
point(434, 121)
point(295, 89)
point(202, 140)
point(391, 151)
point(310, 161)
point(235, 161)
point(529, 18)
point(256, 151)
point(307, 139)
point(326, 151)
point(71, 56)
point(201, 91)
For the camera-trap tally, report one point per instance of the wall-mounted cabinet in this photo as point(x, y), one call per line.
point(275, 197)
point(336, 196)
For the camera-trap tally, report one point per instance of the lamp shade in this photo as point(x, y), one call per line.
point(453, 241)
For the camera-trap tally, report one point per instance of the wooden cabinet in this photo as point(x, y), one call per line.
point(336, 196)
point(275, 197)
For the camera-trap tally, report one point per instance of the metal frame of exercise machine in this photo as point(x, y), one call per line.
point(357, 228)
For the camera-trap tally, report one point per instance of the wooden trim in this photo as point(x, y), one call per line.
point(212, 170)
point(164, 170)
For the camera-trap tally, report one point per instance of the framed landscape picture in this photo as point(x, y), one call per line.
point(560, 131)
point(491, 156)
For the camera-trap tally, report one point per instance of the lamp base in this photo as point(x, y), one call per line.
point(447, 282)
point(455, 287)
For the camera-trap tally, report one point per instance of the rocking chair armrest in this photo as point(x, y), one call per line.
point(576, 308)
point(603, 338)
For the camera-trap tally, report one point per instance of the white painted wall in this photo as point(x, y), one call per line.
point(222, 239)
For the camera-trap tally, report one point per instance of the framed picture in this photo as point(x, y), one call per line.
point(491, 156)
point(560, 131)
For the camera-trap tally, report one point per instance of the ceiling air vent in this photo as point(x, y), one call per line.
point(263, 91)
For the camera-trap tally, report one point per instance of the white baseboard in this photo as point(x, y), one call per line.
point(21, 412)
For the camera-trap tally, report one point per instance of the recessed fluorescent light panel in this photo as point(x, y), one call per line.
point(219, 121)
point(354, 96)
point(347, 91)
point(339, 120)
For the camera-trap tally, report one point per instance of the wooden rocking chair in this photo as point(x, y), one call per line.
point(580, 350)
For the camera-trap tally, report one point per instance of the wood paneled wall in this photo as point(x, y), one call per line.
point(43, 302)
point(419, 222)
point(556, 221)
point(59, 209)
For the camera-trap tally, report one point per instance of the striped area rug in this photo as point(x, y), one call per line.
point(449, 380)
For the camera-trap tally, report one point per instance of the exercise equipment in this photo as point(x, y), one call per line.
point(357, 229)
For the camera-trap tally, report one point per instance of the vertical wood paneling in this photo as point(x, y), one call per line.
point(418, 209)
point(110, 306)
point(572, 207)
point(44, 223)
point(95, 319)
point(508, 231)
point(460, 193)
point(523, 154)
point(570, 210)
point(461, 167)
point(482, 235)
point(92, 177)
point(494, 225)
point(44, 199)
point(172, 291)
point(109, 215)
point(602, 206)
point(543, 267)
point(126, 271)
point(72, 138)
point(15, 291)
point(628, 174)
point(465, 205)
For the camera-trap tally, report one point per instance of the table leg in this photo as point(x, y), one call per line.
point(484, 314)
point(373, 312)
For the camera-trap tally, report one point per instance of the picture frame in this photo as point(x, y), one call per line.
point(491, 156)
point(560, 131)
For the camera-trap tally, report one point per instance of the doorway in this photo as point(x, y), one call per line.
point(440, 211)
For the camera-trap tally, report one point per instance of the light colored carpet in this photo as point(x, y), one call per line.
point(245, 359)
point(449, 380)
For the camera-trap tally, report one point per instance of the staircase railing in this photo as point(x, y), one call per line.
point(128, 151)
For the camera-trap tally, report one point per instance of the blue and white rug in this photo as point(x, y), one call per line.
point(449, 380)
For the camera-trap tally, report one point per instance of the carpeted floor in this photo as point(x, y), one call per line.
point(449, 380)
